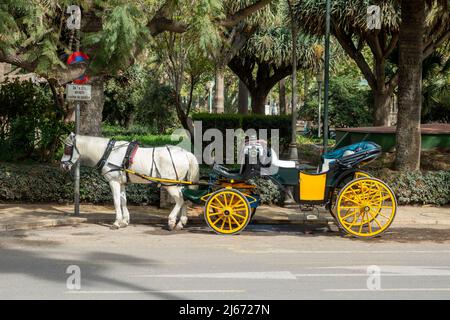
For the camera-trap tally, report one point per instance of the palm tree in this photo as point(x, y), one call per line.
point(349, 26)
point(266, 59)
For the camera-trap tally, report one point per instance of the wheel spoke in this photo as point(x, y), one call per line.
point(389, 218)
point(374, 217)
point(220, 202)
point(217, 208)
point(350, 214)
point(223, 223)
point(349, 199)
point(362, 222)
point(237, 222)
point(217, 220)
point(241, 216)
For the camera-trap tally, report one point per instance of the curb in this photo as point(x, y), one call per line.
point(196, 220)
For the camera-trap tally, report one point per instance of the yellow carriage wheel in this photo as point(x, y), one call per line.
point(227, 211)
point(365, 207)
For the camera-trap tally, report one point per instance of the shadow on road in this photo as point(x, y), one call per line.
point(93, 267)
point(395, 234)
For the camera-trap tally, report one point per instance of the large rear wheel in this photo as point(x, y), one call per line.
point(365, 207)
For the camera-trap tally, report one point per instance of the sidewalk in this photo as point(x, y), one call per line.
point(31, 216)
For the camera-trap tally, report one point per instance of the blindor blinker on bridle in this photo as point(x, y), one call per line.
point(69, 148)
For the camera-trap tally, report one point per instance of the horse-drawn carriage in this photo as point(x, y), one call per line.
point(362, 206)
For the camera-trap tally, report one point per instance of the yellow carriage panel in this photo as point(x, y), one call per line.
point(312, 186)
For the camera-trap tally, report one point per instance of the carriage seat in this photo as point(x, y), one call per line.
point(223, 171)
point(351, 153)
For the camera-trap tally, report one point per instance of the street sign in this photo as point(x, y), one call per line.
point(76, 92)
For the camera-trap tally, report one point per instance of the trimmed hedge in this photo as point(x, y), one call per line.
point(421, 187)
point(45, 183)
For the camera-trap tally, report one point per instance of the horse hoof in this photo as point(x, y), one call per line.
point(123, 224)
point(179, 226)
point(171, 225)
point(115, 226)
point(183, 221)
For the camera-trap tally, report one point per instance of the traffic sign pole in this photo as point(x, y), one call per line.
point(77, 165)
point(77, 93)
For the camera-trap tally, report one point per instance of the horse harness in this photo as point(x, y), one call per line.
point(128, 159)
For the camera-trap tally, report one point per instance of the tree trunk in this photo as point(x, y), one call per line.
point(219, 92)
point(242, 98)
point(259, 102)
point(91, 111)
point(408, 137)
point(382, 108)
point(282, 96)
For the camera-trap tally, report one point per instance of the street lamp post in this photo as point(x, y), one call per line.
point(319, 78)
point(327, 76)
point(293, 153)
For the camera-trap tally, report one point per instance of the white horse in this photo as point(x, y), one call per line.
point(108, 156)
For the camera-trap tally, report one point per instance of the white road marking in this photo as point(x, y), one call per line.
point(389, 289)
point(288, 251)
point(388, 270)
point(149, 291)
point(366, 275)
point(271, 275)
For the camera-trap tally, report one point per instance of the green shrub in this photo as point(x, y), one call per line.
point(270, 193)
point(30, 122)
point(44, 183)
point(432, 187)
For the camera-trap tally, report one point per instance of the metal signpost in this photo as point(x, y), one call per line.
point(77, 93)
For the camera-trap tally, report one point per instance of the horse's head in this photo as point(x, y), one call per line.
point(71, 154)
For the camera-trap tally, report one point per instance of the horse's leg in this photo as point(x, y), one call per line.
point(183, 217)
point(123, 204)
point(176, 195)
point(115, 188)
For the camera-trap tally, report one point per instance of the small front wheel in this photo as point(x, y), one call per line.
point(365, 207)
point(227, 211)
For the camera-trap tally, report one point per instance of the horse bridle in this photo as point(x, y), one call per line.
point(72, 147)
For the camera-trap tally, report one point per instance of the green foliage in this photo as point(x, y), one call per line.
point(349, 104)
point(274, 45)
point(432, 187)
point(43, 183)
point(138, 133)
point(135, 97)
point(436, 86)
point(156, 109)
point(123, 33)
point(30, 123)
point(269, 192)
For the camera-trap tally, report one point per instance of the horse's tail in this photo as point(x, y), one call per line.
point(194, 170)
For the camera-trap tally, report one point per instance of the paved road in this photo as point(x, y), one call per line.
point(265, 262)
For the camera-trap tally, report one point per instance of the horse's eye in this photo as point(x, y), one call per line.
point(68, 150)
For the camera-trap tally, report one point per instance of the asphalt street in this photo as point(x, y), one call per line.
point(265, 262)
